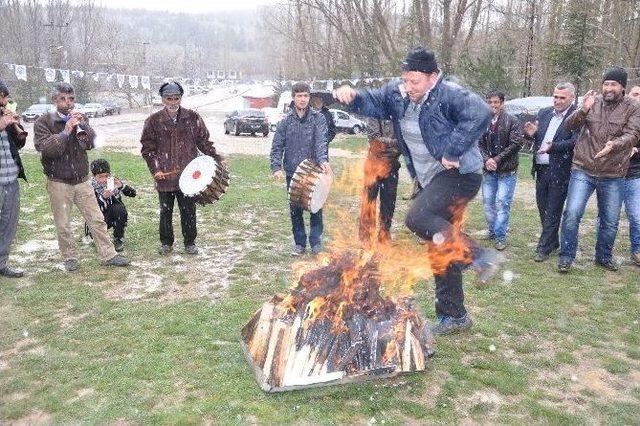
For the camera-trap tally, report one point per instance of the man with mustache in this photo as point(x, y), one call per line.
point(610, 127)
point(170, 139)
point(63, 138)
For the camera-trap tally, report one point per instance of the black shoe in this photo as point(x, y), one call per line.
point(117, 260)
point(71, 265)
point(11, 272)
point(609, 264)
point(564, 265)
point(118, 244)
point(540, 257)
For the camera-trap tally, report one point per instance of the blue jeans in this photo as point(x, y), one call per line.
point(297, 225)
point(497, 194)
point(632, 207)
point(609, 194)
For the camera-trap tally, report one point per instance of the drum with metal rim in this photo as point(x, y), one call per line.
point(205, 179)
point(309, 187)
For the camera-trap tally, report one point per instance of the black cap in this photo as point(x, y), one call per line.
point(420, 59)
point(616, 74)
point(100, 166)
point(171, 88)
point(4, 90)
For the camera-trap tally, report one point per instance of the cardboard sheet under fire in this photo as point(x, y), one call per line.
point(335, 327)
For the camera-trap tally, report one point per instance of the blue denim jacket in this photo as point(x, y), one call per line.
point(297, 139)
point(452, 119)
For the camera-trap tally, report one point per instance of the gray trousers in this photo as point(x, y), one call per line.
point(9, 209)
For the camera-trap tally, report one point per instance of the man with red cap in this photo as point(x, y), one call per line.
point(610, 126)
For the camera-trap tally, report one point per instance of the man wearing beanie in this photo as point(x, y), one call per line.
point(437, 124)
point(10, 170)
point(610, 127)
point(170, 139)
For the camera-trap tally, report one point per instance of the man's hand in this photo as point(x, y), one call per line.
point(117, 183)
point(450, 164)
point(107, 194)
point(71, 124)
point(588, 100)
point(491, 165)
point(159, 176)
point(530, 128)
point(344, 94)
point(604, 151)
point(7, 120)
point(545, 147)
point(278, 175)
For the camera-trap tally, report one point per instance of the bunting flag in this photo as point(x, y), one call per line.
point(133, 81)
point(50, 74)
point(21, 72)
point(120, 78)
point(65, 76)
point(146, 82)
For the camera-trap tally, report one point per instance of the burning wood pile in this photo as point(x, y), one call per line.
point(336, 326)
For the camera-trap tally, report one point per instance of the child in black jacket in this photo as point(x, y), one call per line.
point(109, 190)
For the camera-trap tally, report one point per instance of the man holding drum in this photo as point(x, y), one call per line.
point(437, 124)
point(301, 135)
point(170, 139)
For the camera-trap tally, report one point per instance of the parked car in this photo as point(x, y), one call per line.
point(36, 110)
point(274, 116)
point(247, 121)
point(94, 110)
point(111, 108)
point(345, 122)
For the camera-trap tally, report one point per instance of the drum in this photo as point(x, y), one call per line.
point(309, 186)
point(205, 179)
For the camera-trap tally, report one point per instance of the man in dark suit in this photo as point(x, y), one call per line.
point(553, 148)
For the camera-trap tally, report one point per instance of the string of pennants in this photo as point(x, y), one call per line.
point(51, 75)
point(144, 81)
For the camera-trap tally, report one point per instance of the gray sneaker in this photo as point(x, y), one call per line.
point(297, 250)
point(450, 325)
point(635, 258)
point(486, 266)
point(316, 249)
point(500, 245)
point(165, 249)
point(117, 260)
point(71, 265)
point(191, 249)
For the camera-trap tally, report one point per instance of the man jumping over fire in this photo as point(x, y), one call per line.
point(437, 124)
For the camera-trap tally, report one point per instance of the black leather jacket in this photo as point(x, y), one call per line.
point(503, 143)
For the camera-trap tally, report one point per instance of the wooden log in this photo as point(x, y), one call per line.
point(418, 355)
point(273, 341)
point(258, 341)
point(406, 352)
point(288, 369)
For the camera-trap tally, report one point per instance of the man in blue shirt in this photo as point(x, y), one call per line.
point(437, 124)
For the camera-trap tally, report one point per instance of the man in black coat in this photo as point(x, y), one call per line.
point(318, 103)
point(12, 138)
point(553, 148)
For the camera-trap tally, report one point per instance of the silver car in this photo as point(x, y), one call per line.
point(345, 122)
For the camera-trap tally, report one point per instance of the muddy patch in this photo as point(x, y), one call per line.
point(34, 418)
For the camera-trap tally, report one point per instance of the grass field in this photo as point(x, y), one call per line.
point(158, 342)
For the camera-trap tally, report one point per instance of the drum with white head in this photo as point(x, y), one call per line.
point(205, 179)
point(309, 187)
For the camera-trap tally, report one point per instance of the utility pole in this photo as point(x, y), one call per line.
point(528, 66)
